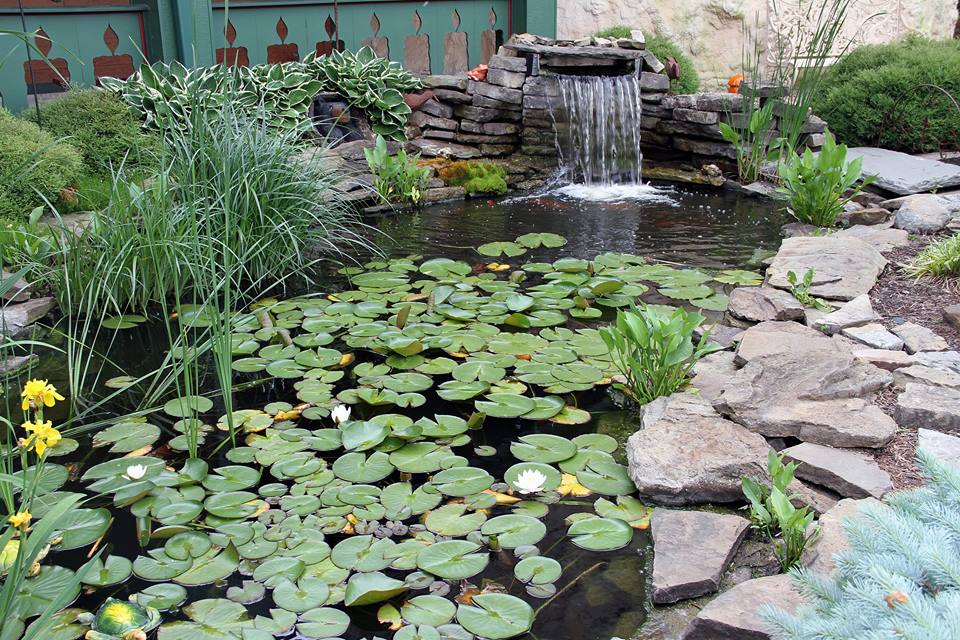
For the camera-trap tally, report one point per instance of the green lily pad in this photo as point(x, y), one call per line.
point(429, 610)
point(514, 530)
point(106, 572)
point(452, 520)
point(505, 405)
point(462, 481)
point(600, 534)
point(542, 447)
point(453, 560)
point(496, 616)
point(537, 240)
point(324, 622)
point(537, 570)
point(494, 249)
point(370, 588)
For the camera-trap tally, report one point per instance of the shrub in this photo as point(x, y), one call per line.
point(818, 186)
point(899, 577)
point(615, 32)
point(33, 166)
point(653, 349)
point(475, 177)
point(98, 123)
point(885, 95)
point(397, 178)
point(664, 48)
point(939, 260)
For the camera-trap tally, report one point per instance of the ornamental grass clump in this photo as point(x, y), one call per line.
point(818, 186)
point(653, 348)
point(898, 579)
point(940, 259)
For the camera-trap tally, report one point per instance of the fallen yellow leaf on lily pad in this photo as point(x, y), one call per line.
point(570, 487)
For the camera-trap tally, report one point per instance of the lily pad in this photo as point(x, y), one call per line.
point(600, 534)
point(496, 616)
point(453, 560)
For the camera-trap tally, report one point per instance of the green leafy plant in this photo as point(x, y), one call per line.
point(166, 95)
point(818, 187)
point(653, 349)
point(752, 142)
point(475, 177)
point(940, 259)
point(396, 178)
point(887, 96)
point(800, 289)
point(896, 578)
point(99, 125)
point(34, 167)
point(371, 83)
point(773, 513)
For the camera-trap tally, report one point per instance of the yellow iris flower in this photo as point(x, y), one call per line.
point(20, 520)
point(42, 436)
point(39, 393)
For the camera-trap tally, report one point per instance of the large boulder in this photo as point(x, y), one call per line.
point(852, 474)
point(922, 214)
point(735, 614)
point(691, 550)
point(843, 267)
point(685, 453)
point(822, 397)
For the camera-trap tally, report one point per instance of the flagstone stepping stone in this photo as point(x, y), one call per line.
point(942, 445)
point(822, 397)
point(852, 474)
point(854, 313)
point(884, 358)
point(904, 174)
point(875, 336)
point(691, 550)
point(929, 407)
point(712, 372)
point(921, 374)
point(843, 267)
point(758, 304)
point(940, 359)
point(735, 614)
point(918, 338)
point(833, 539)
point(881, 237)
point(770, 338)
point(922, 214)
point(685, 453)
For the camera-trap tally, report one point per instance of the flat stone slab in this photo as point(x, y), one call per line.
point(904, 174)
point(850, 473)
point(19, 292)
point(929, 407)
point(874, 335)
point(918, 338)
point(735, 614)
point(691, 550)
point(820, 397)
point(432, 148)
point(843, 267)
point(771, 338)
point(685, 453)
point(884, 358)
point(712, 372)
point(854, 313)
point(879, 237)
point(941, 359)
point(943, 446)
point(833, 539)
point(922, 374)
point(16, 318)
point(759, 304)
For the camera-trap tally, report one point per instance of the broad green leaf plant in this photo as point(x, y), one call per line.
point(653, 349)
point(396, 178)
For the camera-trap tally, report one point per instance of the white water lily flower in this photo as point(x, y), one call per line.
point(340, 413)
point(530, 481)
point(136, 471)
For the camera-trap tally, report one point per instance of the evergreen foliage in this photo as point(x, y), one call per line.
point(900, 577)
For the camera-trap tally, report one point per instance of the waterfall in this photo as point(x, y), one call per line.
point(601, 145)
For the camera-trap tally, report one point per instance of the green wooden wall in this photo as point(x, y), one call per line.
point(88, 39)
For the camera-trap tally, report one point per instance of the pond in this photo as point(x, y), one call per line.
point(479, 484)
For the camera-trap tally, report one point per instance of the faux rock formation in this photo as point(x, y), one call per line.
point(691, 550)
point(685, 453)
point(843, 267)
point(850, 473)
point(758, 304)
point(824, 398)
point(735, 614)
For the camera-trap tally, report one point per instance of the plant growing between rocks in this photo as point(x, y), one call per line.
point(941, 259)
point(818, 187)
point(898, 576)
point(396, 178)
point(475, 177)
point(653, 349)
point(800, 289)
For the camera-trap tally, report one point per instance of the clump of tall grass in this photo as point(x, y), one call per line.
point(940, 259)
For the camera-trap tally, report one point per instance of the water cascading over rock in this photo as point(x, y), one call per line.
point(601, 145)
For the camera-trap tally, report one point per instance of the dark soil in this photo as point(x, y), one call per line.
point(900, 298)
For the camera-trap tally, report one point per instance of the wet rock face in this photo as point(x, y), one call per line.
point(685, 453)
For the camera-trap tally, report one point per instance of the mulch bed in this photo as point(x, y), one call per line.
point(899, 298)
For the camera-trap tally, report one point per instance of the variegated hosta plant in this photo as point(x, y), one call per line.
point(166, 95)
point(371, 83)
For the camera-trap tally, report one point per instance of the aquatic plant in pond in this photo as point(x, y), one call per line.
point(371, 488)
